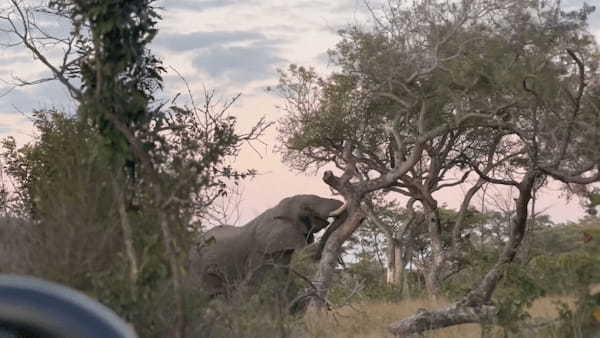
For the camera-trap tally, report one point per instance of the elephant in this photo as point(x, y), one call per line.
point(230, 255)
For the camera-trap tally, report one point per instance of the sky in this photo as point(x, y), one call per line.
point(234, 46)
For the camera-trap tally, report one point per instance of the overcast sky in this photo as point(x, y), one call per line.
point(234, 46)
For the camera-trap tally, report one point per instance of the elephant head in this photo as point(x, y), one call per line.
point(293, 222)
point(310, 212)
point(233, 252)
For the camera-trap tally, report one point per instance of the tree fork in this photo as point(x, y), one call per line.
point(476, 306)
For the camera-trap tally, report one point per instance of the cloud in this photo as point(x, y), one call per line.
point(9, 62)
point(27, 99)
point(197, 5)
point(240, 64)
point(237, 56)
point(185, 42)
point(322, 58)
point(15, 125)
point(351, 6)
point(594, 20)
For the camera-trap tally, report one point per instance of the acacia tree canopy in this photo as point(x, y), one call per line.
point(515, 82)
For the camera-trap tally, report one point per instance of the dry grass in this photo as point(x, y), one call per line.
point(595, 289)
point(547, 307)
point(370, 320)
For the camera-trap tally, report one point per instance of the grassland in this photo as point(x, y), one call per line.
point(369, 320)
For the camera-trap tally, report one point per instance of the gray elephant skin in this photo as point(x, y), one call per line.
point(230, 255)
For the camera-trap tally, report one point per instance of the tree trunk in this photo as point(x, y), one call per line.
point(432, 282)
point(127, 237)
point(395, 266)
point(399, 245)
point(391, 260)
point(399, 267)
point(406, 288)
point(175, 267)
point(395, 262)
point(524, 254)
point(438, 258)
point(329, 259)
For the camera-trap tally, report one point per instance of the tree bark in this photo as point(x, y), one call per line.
point(438, 258)
point(127, 237)
point(397, 248)
point(329, 258)
point(395, 266)
point(175, 267)
point(453, 315)
point(391, 260)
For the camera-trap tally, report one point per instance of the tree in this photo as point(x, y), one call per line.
point(369, 120)
point(399, 228)
point(514, 79)
point(158, 168)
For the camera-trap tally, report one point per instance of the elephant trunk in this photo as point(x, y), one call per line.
point(338, 211)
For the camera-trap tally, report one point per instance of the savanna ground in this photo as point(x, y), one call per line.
point(369, 320)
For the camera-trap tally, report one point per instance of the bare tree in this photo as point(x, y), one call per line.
point(25, 26)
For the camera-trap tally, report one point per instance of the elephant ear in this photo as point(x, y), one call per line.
point(281, 235)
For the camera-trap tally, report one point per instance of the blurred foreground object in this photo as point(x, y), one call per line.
point(31, 307)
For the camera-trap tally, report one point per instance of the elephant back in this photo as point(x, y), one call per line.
point(222, 257)
point(274, 232)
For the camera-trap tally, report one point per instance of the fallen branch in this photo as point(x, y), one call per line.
point(453, 315)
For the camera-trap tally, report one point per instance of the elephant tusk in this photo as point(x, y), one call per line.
point(338, 211)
